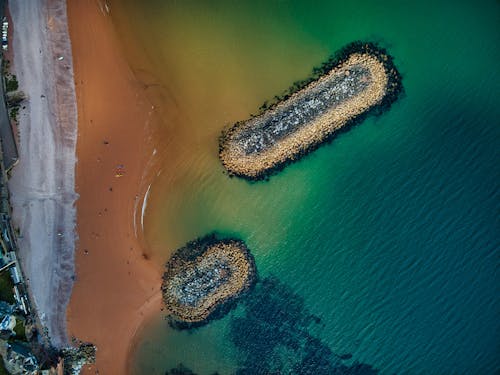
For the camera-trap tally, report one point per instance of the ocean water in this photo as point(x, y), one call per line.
point(381, 248)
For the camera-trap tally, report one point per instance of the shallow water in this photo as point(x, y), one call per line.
point(389, 235)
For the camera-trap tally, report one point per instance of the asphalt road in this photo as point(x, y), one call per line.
point(9, 148)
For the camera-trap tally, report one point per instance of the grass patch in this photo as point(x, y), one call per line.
point(3, 370)
point(11, 83)
point(20, 331)
point(6, 285)
point(5, 66)
point(13, 113)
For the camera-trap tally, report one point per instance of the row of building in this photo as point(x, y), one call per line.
point(16, 354)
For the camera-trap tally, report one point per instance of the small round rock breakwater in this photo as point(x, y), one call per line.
point(204, 276)
point(361, 79)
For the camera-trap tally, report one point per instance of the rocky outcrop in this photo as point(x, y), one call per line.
point(74, 358)
point(360, 80)
point(205, 275)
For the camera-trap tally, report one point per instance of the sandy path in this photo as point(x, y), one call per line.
point(42, 184)
point(116, 286)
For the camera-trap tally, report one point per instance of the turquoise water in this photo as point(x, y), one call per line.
point(389, 235)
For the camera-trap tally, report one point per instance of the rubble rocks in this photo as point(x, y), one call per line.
point(360, 80)
point(74, 358)
point(204, 275)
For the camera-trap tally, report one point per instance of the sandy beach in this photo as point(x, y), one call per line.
point(42, 184)
point(116, 286)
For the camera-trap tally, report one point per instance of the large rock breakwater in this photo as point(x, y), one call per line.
point(204, 276)
point(359, 80)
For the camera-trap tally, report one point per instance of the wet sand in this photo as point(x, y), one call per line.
point(116, 286)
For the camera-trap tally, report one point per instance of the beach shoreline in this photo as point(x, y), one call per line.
point(117, 287)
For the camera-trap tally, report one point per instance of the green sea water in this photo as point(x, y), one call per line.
point(389, 235)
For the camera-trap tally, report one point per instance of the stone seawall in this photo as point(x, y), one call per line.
point(204, 276)
point(361, 79)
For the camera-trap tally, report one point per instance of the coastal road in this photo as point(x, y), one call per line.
point(9, 147)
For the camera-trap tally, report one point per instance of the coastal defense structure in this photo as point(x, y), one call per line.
point(360, 80)
point(204, 276)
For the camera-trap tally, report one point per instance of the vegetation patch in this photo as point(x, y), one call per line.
point(20, 331)
point(13, 95)
point(3, 370)
point(11, 83)
point(6, 287)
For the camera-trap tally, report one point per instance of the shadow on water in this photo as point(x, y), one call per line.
point(271, 331)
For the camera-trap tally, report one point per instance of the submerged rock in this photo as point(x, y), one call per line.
point(275, 333)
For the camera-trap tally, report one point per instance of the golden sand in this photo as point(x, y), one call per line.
point(116, 287)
